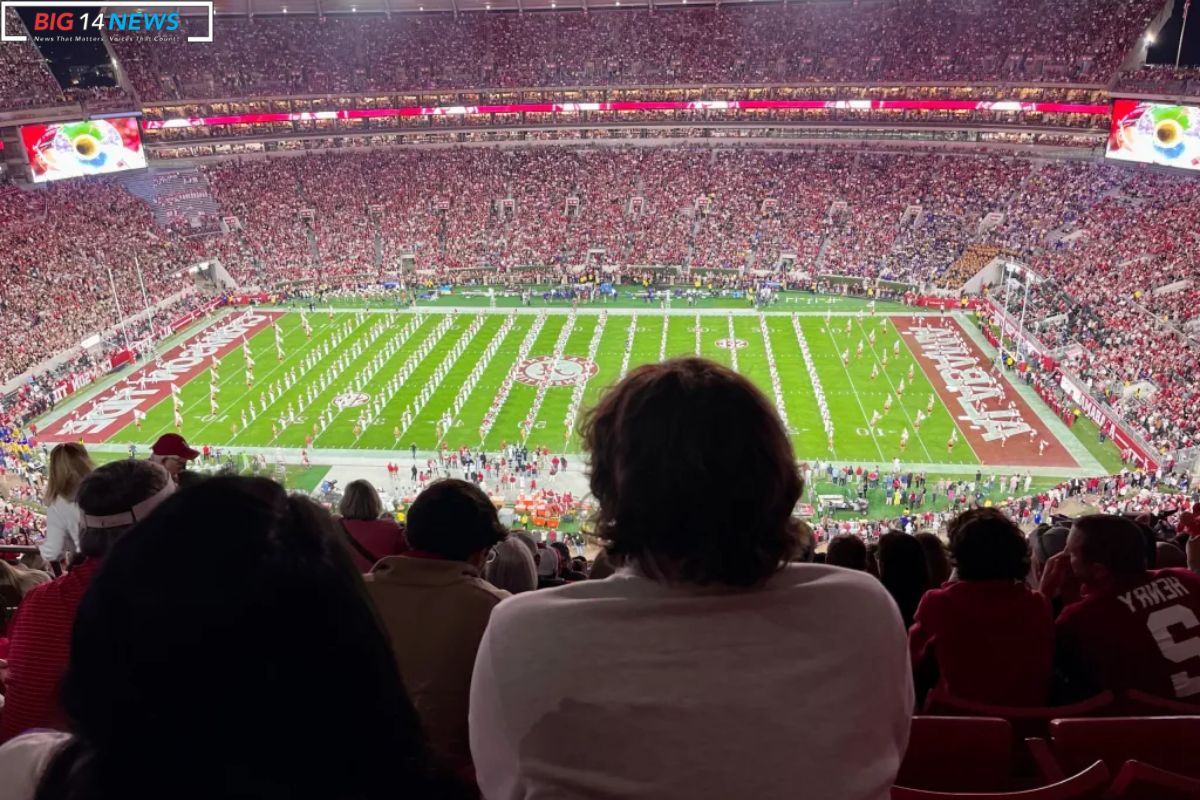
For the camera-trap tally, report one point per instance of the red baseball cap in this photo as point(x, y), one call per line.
point(172, 444)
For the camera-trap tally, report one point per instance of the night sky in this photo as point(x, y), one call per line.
point(1163, 50)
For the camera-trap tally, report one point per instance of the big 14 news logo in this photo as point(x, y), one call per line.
point(46, 22)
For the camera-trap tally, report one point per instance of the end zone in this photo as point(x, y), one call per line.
point(98, 419)
point(992, 416)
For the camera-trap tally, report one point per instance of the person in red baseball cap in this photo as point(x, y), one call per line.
point(172, 451)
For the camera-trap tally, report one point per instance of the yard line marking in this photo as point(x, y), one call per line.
point(857, 399)
point(468, 386)
point(776, 386)
point(900, 401)
point(815, 379)
point(333, 354)
point(197, 436)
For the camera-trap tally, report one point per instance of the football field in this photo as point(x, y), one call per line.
point(918, 390)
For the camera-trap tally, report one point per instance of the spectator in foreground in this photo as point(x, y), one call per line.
point(986, 637)
point(172, 452)
point(568, 565)
point(510, 567)
point(548, 568)
point(17, 580)
point(111, 499)
point(903, 571)
point(368, 534)
point(69, 464)
point(937, 558)
point(150, 708)
point(602, 567)
point(695, 480)
point(435, 606)
point(847, 551)
point(1130, 629)
point(1045, 542)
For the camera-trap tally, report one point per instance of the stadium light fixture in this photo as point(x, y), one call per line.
point(1149, 38)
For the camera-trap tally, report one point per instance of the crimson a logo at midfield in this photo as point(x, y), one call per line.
point(350, 400)
point(566, 371)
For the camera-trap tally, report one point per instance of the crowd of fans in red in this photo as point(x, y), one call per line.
point(474, 661)
point(1161, 79)
point(1030, 40)
point(1027, 41)
point(58, 246)
point(693, 207)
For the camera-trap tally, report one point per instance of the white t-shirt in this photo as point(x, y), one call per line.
point(62, 530)
point(24, 759)
point(627, 688)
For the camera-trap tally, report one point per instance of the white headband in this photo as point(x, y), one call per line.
point(139, 511)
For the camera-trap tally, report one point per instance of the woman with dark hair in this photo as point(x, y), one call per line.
point(986, 637)
point(707, 648)
point(936, 556)
point(196, 689)
point(369, 536)
point(903, 571)
point(110, 500)
point(847, 551)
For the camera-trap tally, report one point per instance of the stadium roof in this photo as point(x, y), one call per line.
point(243, 7)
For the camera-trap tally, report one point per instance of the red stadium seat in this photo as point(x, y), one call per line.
point(1138, 781)
point(1141, 704)
point(1086, 785)
point(958, 754)
point(1169, 743)
point(1030, 721)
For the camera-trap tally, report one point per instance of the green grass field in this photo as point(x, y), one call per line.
point(851, 393)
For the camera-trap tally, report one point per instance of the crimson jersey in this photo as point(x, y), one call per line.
point(1143, 633)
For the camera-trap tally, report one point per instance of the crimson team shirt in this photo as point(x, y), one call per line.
point(39, 647)
point(992, 642)
point(1141, 633)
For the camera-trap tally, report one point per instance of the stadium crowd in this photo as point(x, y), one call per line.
point(59, 244)
point(1162, 79)
point(25, 80)
point(1030, 41)
point(473, 660)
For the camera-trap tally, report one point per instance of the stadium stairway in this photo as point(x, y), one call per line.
point(138, 184)
point(172, 194)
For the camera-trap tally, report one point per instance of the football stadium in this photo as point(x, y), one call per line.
point(820, 373)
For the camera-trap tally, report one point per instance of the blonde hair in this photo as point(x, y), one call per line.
point(69, 464)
